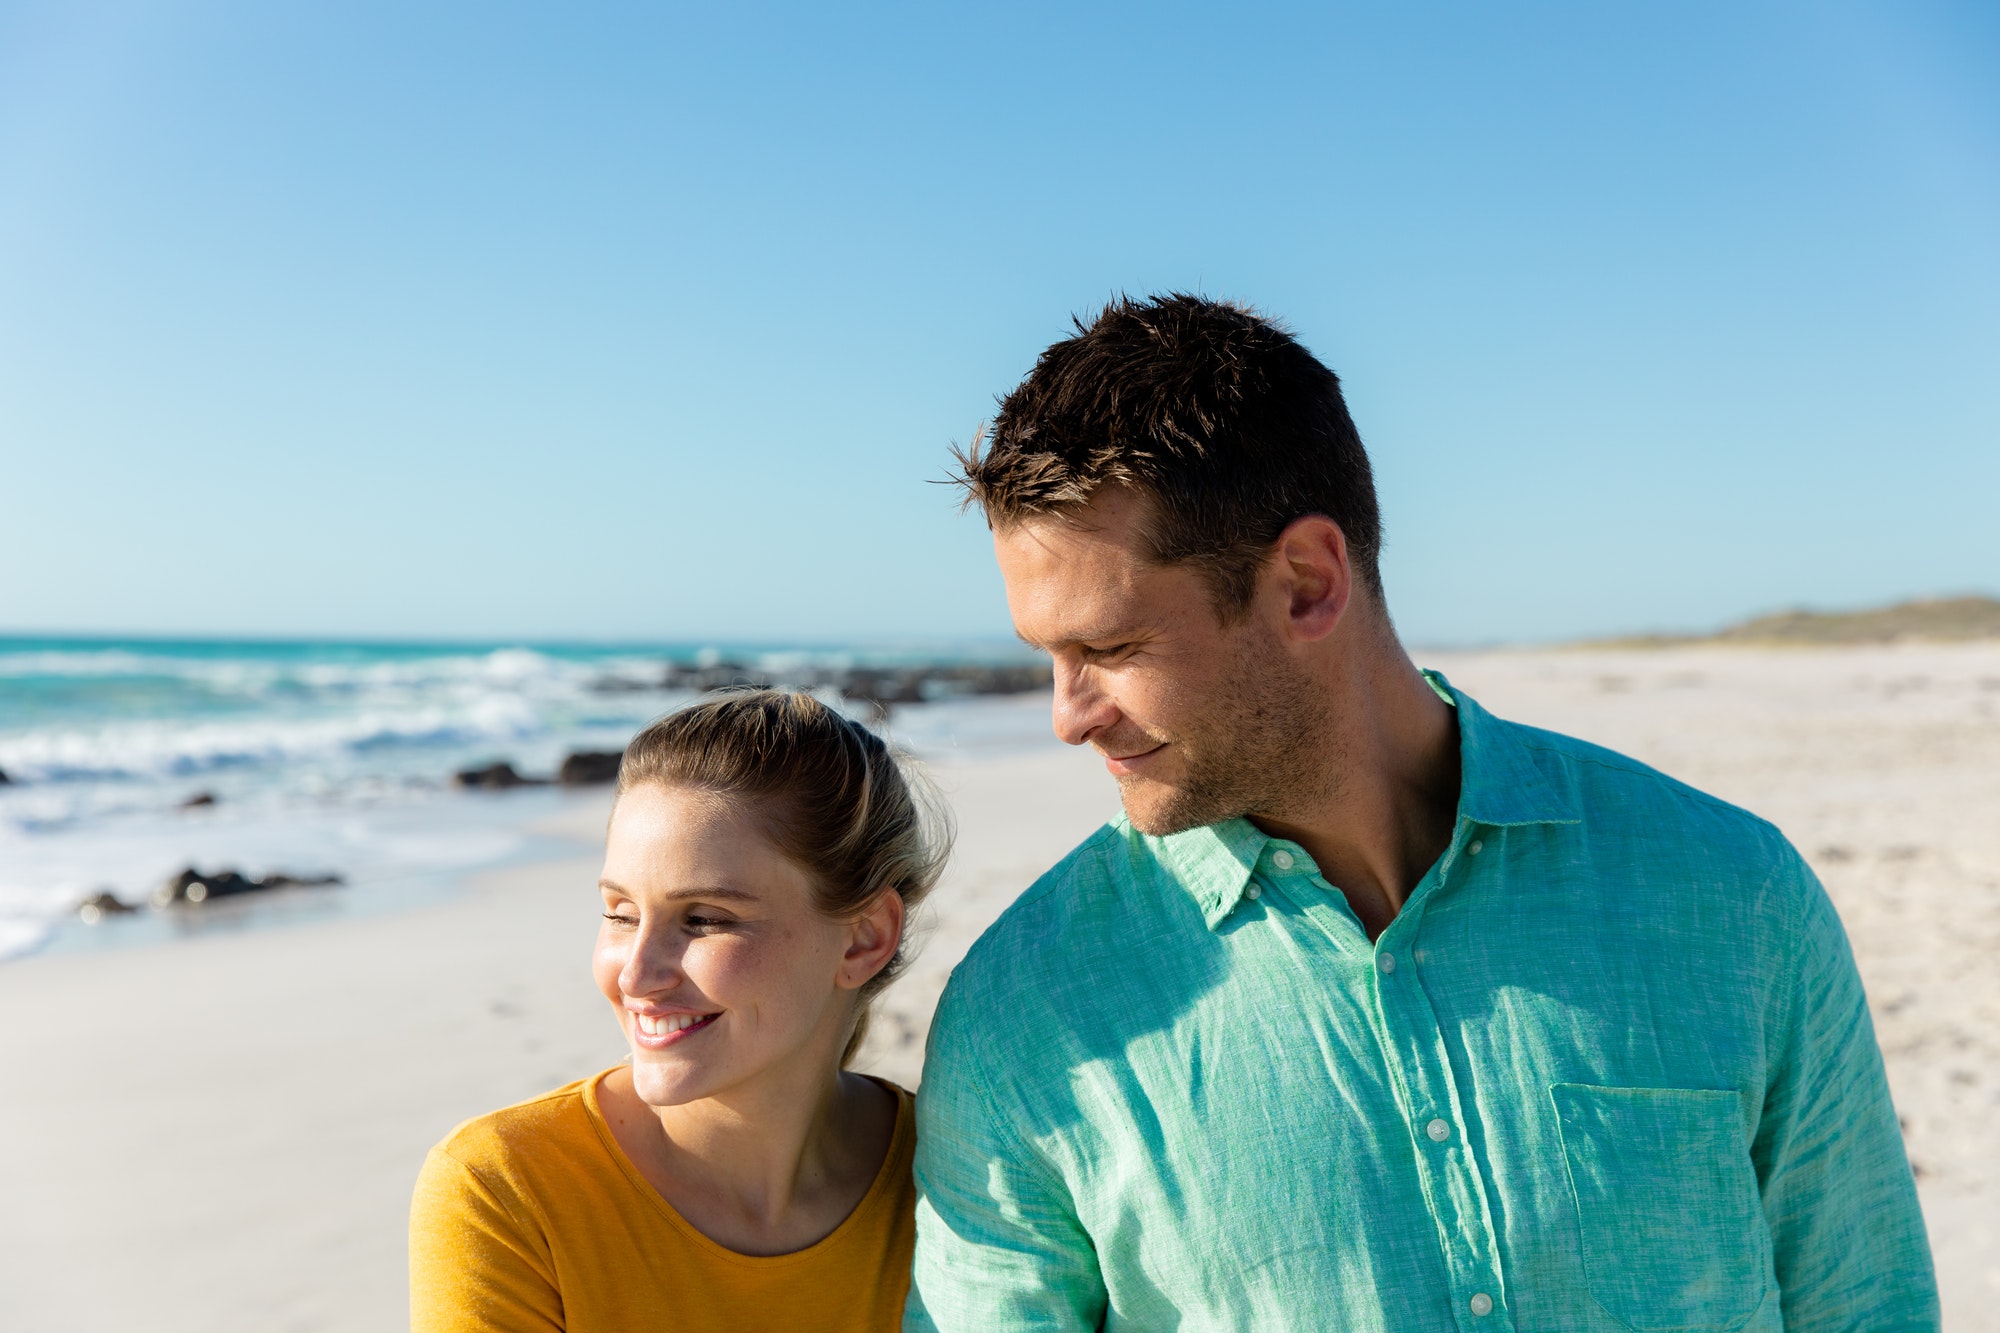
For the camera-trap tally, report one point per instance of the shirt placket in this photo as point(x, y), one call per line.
point(1433, 1106)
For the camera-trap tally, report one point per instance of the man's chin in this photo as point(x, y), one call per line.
point(1160, 811)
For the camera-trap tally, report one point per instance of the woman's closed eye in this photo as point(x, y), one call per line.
point(695, 922)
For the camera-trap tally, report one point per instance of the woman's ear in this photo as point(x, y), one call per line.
point(872, 940)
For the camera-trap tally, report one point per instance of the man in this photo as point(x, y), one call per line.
point(1373, 1011)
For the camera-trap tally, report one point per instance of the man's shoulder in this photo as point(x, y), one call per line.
point(1615, 795)
point(1064, 911)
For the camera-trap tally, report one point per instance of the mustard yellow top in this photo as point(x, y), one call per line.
point(533, 1219)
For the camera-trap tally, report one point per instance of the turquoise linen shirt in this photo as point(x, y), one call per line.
point(1610, 1068)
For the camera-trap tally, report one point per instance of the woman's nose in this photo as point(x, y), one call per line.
point(653, 965)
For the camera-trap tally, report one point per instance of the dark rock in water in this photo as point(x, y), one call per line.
point(198, 800)
point(885, 687)
point(101, 904)
point(590, 768)
point(1018, 678)
point(895, 686)
point(882, 686)
point(297, 881)
point(4, 779)
point(724, 675)
point(623, 685)
point(716, 676)
point(196, 886)
point(494, 777)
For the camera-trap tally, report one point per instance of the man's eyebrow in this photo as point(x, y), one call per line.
point(709, 891)
point(1105, 634)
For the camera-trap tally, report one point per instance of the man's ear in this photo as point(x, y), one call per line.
point(1310, 561)
point(872, 940)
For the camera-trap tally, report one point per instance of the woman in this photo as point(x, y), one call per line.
point(762, 858)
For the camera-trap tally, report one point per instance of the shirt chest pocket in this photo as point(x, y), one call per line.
point(1667, 1206)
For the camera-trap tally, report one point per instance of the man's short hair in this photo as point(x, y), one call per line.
point(1220, 416)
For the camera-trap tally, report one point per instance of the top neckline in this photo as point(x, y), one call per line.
point(879, 1188)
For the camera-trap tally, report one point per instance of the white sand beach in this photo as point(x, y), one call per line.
point(221, 1132)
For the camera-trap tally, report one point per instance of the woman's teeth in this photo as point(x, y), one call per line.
point(661, 1026)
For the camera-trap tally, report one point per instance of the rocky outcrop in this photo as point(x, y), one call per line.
point(877, 688)
point(197, 886)
point(582, 768)
point(716, 676)
point(881, 686)
point(4, 779)
point(590, 768)
point(200, 800)
point(100, 905)
point(925, 684)
point(494, 777)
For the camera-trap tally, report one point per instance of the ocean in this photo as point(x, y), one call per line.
point(335, 758)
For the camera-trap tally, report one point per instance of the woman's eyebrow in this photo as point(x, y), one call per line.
point(710, 891)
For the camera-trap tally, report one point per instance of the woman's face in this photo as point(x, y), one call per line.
point(719, 966)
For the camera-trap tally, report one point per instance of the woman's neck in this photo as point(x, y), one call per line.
point(765, 1168)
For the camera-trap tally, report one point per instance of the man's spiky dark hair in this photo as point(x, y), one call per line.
point(1220, 416)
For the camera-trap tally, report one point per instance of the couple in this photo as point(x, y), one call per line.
point(1373, 1012)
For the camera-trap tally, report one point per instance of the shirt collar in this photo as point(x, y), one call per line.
point(1504, 780)
point(1213, 863)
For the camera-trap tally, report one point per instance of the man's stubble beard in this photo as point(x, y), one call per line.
point(1262, 748)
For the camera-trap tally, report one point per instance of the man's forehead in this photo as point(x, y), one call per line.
point(1110, 530)
point(1084, 587)
point(1054, 559)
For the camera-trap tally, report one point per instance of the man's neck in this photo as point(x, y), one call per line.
point(1387, 810)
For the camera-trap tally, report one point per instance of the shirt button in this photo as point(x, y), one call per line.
point(1253, 893)
point(1438, 1130)
point(1387, 962)
point(1482, 1304)
point(1282, 860)
point(1474, 847)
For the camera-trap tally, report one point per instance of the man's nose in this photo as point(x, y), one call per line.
point(1081, 710)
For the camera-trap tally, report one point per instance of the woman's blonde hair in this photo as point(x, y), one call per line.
point(833, 798)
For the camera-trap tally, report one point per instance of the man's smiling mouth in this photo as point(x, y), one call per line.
point(1121, 765)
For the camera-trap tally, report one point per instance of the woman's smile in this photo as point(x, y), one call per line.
point(658, 1031)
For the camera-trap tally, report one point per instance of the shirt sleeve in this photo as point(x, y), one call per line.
point(999, 1246)
point(473, 1268)
point(1847, 1232)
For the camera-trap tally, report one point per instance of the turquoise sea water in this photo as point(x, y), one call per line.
point(333, 757)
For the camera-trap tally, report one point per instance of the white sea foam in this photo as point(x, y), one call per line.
point(383, 851)
point(260, 713)
point(333, 759)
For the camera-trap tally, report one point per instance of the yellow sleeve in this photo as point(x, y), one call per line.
point(473, 1267)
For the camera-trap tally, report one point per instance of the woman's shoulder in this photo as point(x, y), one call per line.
point(486, 1213)
point(547, 1129)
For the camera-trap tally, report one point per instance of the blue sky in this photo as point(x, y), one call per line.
point(656, 321)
